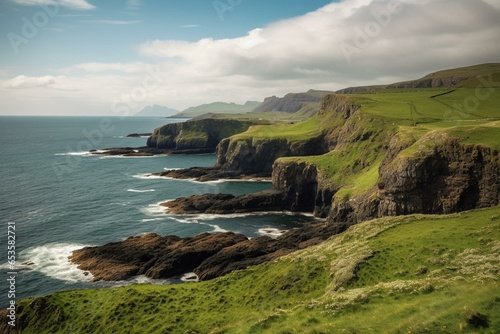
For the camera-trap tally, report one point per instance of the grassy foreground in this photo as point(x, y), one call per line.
point(410, 274)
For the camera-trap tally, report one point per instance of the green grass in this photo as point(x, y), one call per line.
point(354, 169)
point(279, 117)
point(420, 107)
point(487, 134)
point(405, 255)
point(475, 70)
point(292, 132)
point(370, 279)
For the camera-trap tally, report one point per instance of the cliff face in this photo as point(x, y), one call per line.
point(290, 103)
point(195, 134)
point(435, 174)
point(256, 156)
point(453, 178)
point(251, 157)
point(304, 188)
point(450, 178)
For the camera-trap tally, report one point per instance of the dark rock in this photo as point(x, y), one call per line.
point(151, 255)
point(445, 178)
point(269, 200)
point(290, 103)
point(204, 174)
point(126, 151)
point(146, 151)
point(138, 135)
point(196, 134)
point(207, 255)
point(248, 157)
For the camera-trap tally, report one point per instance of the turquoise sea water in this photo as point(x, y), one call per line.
point(60, 198)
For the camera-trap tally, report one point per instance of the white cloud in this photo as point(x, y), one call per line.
point(113, 22)
point(71, 4)
point(189, 26)
point(292, 55)
point(352, 40)
point(106, 67)
point(23, 81)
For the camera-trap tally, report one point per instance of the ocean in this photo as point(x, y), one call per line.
point(60, 198)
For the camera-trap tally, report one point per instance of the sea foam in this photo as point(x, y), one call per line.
point(84, 153)
point(155, 209)
point(140, 190)
point(52, 260)
point(147, 176)
point(271, 232)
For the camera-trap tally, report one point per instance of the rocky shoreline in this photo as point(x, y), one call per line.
point(205, 174)
point(207, 255)
point(145, 151)
point(269, 200)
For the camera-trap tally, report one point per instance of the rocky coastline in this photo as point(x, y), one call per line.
point(205, 174)
point(208, 255)
point(145, 151)
point(433, 174)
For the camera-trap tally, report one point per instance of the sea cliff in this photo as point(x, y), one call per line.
point(195, 134)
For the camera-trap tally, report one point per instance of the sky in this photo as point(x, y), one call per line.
point(113, 57)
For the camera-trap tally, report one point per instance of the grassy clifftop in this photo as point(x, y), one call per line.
point(203, 133)
point(412, 274)
point(408, 122)
point(417, 120)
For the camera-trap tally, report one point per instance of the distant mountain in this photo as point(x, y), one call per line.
point(306, 103)
point(456, 77)
point(219, 108)
point(157, 110)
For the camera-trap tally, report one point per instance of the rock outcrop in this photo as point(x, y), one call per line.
point(290, 103)
point(446, 178)
point(248, 157)
point(269, 200)
point(151, 255)
point(144, 151)
point(435, 175)
point(196, 134)
point(139, 135)
point(207, 255)
point(303, 187)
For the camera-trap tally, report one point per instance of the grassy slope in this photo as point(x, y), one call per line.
point(216, 108)
point(413, 274)
point(264, 116)
point(410, 116)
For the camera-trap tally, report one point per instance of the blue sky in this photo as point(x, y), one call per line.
point(89, 57)
point(112, 30)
